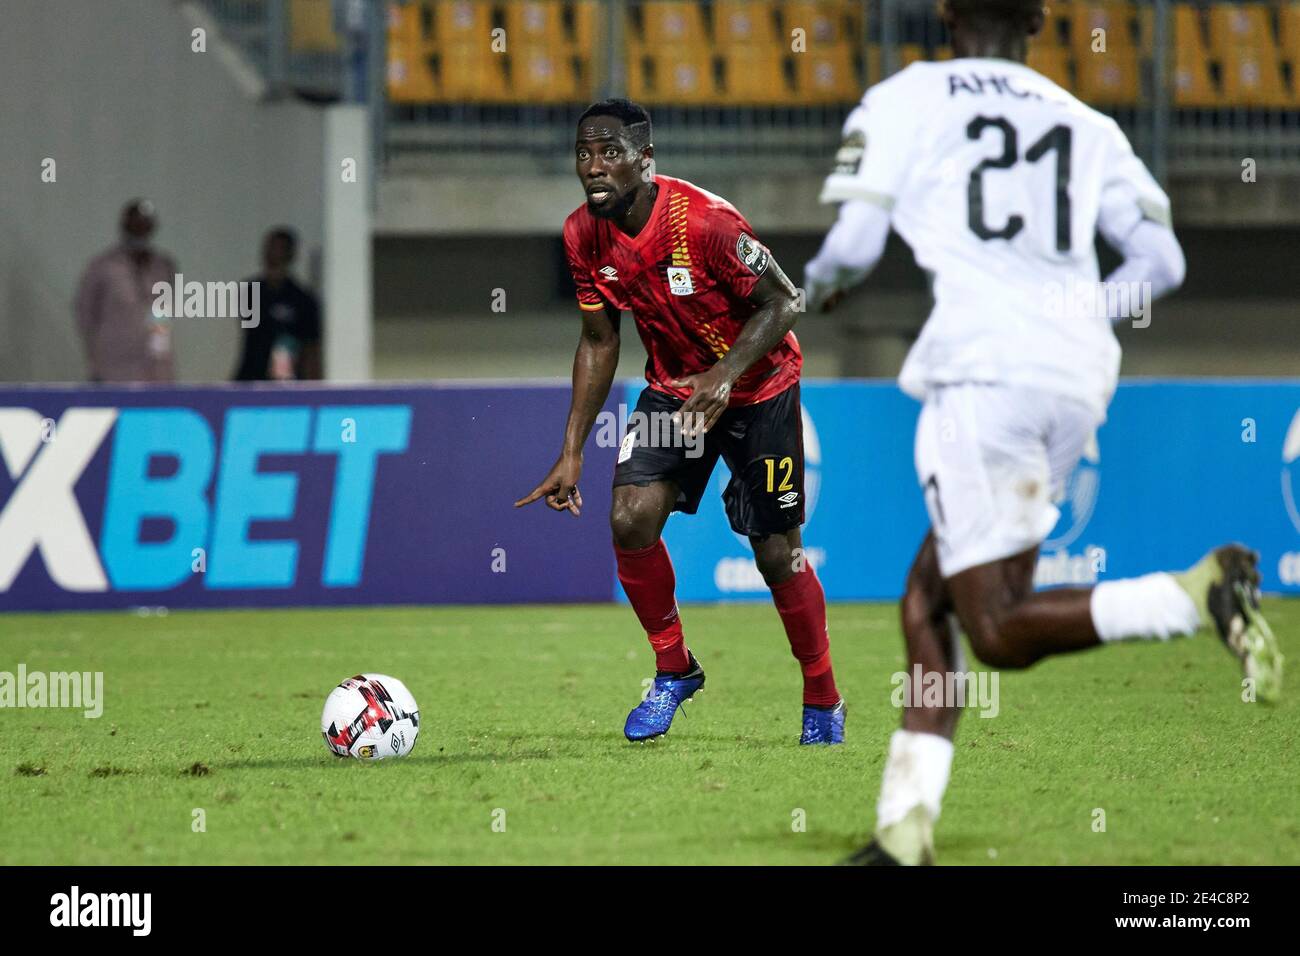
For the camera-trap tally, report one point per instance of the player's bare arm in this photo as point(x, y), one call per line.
point(593, 373)
point(775, 297)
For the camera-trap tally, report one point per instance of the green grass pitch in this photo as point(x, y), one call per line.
point(522, 711)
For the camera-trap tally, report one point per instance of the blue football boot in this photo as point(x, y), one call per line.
point(653, 716)
point(823, 725)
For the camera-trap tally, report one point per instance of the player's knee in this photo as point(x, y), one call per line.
point(774, 558)
point(633, 525)
point(993, 649)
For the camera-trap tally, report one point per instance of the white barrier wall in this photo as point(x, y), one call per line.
point(116, 95)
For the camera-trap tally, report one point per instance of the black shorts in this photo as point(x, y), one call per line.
point(762, 445)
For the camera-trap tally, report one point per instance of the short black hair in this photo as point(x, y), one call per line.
point(636, 120)
point(1017, 16)
point(288, 235)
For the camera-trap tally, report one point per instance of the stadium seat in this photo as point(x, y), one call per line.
point(584, 26)
point(1288, 21)
point(940, 53)
point(672, 23)
point(311, 27)
point(1116, 19)
point(1052, 61)
point(1239, 25)
point(1193, 85)
point(542, 73)
point(461, 22)
point(535, 23)
point(406, 24)
point(825, 74)
point(1108, 79)
point(472, 73)
point(673, 77)
point(746, 23)
point(1252, 76)
point(753, 77)
point(410, 79)
point(823, 21)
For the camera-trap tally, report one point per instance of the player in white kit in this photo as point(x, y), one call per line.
point(999, 181)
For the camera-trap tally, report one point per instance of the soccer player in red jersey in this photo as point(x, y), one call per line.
point(715, 313)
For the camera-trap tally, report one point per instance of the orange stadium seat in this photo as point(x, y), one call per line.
point(584, 25)
point(673, 23)
point(823, 21)
point(410, 79)
point(1052, 61)
point(940, 53)
point(459, 22)
point(1238, 25)
point(1114, 19)
point(741, 23)
point(672, 77)
point(472, 73)
point(1108, 79)
point(754, 77)
point(406, 24)
point(1193, 85)
point(542, 73)
point(311, 27)
point(534, 23)
point(1252, 76)
point(1288, 21)
point(855, 28)
point(825, 74)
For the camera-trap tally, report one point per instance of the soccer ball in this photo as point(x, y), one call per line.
point(370, 717)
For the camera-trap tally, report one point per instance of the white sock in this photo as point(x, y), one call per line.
point(1152, 607)
point(915, 773)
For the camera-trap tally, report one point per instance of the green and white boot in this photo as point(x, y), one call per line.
point(1224, 585)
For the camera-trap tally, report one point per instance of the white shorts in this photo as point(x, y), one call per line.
point(991, 460)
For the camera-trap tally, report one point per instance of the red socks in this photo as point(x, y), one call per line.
point(647, 576)
point(802, 605)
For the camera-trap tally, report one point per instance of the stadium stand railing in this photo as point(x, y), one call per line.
point(1198, 86)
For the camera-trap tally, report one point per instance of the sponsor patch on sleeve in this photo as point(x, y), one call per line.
point(848, 158)
point(751, 252)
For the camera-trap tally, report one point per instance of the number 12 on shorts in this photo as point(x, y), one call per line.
point(786, 463)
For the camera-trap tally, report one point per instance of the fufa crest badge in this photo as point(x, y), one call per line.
point(679, 281)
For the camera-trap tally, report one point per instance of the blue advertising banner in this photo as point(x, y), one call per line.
point(1178, 468)
point(274, 496)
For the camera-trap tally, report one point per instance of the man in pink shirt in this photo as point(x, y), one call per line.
point(124, 340)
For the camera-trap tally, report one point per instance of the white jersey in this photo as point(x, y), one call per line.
point(999, 181)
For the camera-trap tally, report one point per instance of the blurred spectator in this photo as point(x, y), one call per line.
point(124, 341)
point(285, 343)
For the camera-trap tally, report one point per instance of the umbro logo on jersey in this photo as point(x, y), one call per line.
point(610, 273)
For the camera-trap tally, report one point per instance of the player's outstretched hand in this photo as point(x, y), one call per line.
point(559, 487)
point(708, 400)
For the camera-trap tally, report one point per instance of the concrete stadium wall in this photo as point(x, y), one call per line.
point(1235, 315)
point(114, 94)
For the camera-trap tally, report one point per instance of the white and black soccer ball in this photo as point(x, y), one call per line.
point(370, 717)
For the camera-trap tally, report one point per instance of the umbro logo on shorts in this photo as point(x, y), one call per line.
point(789, 499)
